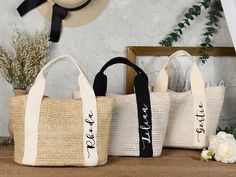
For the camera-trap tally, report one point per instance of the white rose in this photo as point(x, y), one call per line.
point(224, 135)
point(218, 139)
point(215, 143)
point(206, 154)
point(226, 152)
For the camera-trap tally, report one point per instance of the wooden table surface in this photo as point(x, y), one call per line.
point(172, 163)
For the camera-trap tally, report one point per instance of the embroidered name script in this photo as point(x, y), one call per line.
point(200, 116)
point(146, 138)
point(90, 142)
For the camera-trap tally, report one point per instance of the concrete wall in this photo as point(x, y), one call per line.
point(123, 23)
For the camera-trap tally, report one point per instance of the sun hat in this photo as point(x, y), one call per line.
point(75, 18)
point(69, 13)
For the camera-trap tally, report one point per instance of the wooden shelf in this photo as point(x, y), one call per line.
point(172, 163)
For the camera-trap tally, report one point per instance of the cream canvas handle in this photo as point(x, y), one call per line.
point(196, 79)
point(198, 93)
point(32, 114)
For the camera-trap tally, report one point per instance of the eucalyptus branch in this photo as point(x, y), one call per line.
point(192, 12)
point(213, 15)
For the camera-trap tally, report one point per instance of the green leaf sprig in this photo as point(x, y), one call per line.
point(211, 26)
point(213, 15)
point(192, 12)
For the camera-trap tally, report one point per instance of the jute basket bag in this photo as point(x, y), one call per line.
point(194, 114)
point(51, 132)
point(139, 120)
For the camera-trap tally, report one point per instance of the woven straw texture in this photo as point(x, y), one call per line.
point(60, 131)
point(124, 136)
point(180, 130)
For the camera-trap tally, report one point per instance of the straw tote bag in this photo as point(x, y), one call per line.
point(194, 114)
point(51, 132)
point(139, 120)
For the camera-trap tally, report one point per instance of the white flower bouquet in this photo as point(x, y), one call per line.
point(222, 147)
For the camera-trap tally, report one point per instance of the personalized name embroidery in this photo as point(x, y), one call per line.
point(200, 116)
point(90, 135)
point(146, 138)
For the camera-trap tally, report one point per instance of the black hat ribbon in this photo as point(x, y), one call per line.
point(59, 13)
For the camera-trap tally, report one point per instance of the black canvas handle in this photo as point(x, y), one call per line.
point(142, 98)
point(100, 82)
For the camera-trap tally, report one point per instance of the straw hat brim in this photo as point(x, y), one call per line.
point(79, 17)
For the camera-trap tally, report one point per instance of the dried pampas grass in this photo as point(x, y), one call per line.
point(30, 55)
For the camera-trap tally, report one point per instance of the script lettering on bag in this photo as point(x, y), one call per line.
point(90, 135)
point(146, 138)
point(200, 116)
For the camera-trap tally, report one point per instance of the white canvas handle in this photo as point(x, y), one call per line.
point(196, 79)
point(32, 113)
point(198, 93)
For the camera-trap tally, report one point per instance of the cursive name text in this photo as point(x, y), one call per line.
point(200, 116)
point(90, 142)
point(146, 138)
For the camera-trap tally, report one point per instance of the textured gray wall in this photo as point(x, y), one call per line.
point(123, 23)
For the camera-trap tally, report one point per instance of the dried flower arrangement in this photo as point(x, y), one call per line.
point(30, 56)
point(6, 142)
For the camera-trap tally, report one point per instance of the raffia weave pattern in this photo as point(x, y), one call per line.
point(180, 130)
point(124, 137)
point(60, 131)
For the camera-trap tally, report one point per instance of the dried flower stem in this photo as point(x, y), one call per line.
point(30, 56)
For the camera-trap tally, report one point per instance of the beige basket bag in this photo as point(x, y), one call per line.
point(51, 132)
point(139, 120)
point(194, 114)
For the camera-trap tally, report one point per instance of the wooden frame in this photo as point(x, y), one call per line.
point(134, 51)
